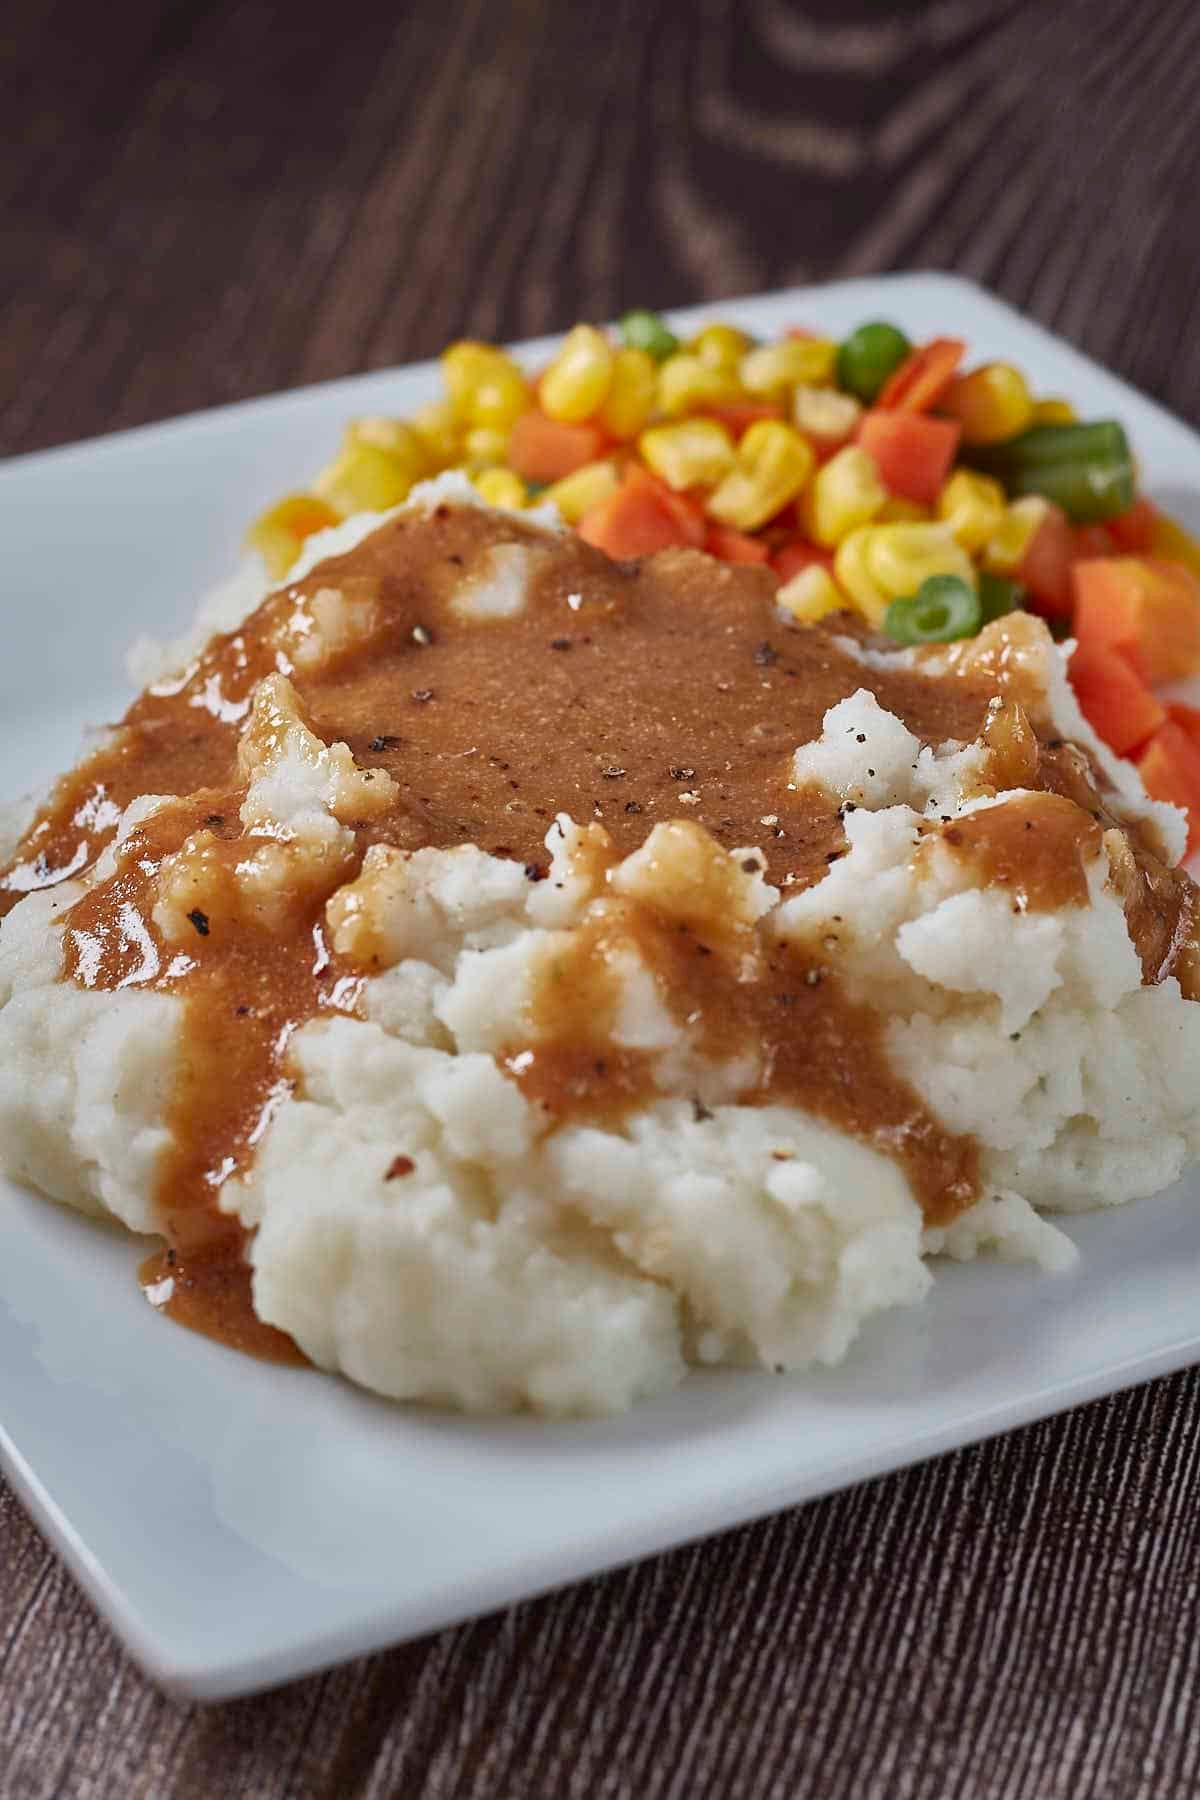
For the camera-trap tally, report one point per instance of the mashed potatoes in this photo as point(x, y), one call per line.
point(421, 1217)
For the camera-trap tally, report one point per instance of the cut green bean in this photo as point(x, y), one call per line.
point(997, 596)
point(1085, 469)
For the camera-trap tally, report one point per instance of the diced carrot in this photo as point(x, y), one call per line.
point(734, 546)
point(1045, 569)
point(799, 331)
point(1115, 700)
point(738, 419)
point(1187, 718)
point(799, 554)
point(923, 376)
point(1170, 769)
point(545, 449)
point(641, 517)
point(1092, 540)
point(914, 454)
point(687, 509)
point(1133, 531)
point(1147, 610)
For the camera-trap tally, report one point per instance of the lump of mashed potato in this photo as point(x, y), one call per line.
point(537, 975)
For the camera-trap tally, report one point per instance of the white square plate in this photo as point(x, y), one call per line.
point(241, 1524)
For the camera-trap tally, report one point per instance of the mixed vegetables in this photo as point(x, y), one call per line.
point(872, 474)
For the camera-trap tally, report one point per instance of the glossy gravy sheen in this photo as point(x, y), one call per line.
point(815, 1047)
point(625, 695)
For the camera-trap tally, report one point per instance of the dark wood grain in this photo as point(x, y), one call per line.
point(210, 200)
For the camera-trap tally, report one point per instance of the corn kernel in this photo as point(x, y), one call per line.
point(720, 346)
point(576, 384)
point(486, 387)
point(1053, 411)
point(691, 453)
point(991, 403)
point(279, 533)
point(853, 573)
point(846, 493)
point(810, 594)
point(485, 445)
point(824, 414)
point(501, 487)
point(685, 384)
point(463, 364)
point(901, 557)
point(631, 392)
point(501, 397)
point(437, 429)
point(394, 436)
point(896, 510)
point(773, 464)
point(877, 564)
point(1005, 550)
point(397, 439)
point(363, 478)
point(584, 488)
point(1170, 539)
point(820, 360)
point(773, 368)
point(973, 507)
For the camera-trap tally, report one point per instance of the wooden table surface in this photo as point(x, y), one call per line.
point(211, 200)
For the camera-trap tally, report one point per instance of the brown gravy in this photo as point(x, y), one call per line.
point(210, 1292)
point(814, 1046)
point(1035, 846)
point(624, 694)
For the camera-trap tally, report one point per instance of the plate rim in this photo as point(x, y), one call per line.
point(213, 1678)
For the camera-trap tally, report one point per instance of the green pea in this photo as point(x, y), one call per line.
point(943, 608)
point(868, 356)
point(645, 330)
